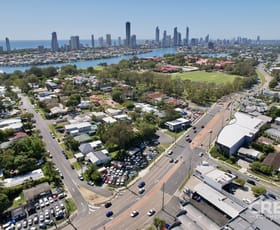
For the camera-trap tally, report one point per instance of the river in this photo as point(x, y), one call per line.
point(85, 64)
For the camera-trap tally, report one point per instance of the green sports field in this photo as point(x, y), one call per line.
point(202, 76)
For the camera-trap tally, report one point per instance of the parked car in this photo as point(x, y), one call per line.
point(170, 152)
point(271, 195)
point(181, 212)
point(141, 190)
point(141, 184)
point(251, 182)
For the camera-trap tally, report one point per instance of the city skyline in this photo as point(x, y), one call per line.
point(219, 19)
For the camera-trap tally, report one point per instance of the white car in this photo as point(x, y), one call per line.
point(134, 213)
point(151, 212)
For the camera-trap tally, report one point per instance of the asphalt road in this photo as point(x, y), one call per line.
point(70, 177)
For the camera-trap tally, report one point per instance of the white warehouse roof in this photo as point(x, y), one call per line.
point(243, 125)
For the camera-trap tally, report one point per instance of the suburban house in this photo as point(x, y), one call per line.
point(90, 147)
point(273, 133)
point(98, 157)
point(273, 159)
point(113, 112)
point(12, 123)
point(240, 131)
point(78, 128)
point(178, 124)
point(84, 105)
point(249, 154)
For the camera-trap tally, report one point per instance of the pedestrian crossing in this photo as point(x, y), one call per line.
point(92, 207)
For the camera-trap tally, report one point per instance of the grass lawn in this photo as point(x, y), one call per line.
point(174, 134)
point(261, 77)
point(76, 165)
point(70, 205)
point(18, 201)
point(202, 76)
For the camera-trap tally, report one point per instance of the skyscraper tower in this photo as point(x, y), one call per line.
point(8, 46)
point(157, 35)
point(74, 42)
point(127, 33)
point(164, 39)
point(54, 44)
point(175, 37)
point(187, 36)
point(92, 41)
point(108, 40)
point(207, 38)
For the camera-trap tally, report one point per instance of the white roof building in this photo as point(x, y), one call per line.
point(219, 200)
point(239, 131)
point(12, 123)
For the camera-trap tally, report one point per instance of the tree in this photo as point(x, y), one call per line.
point(240, 182)
point(4, 202)
point(258, 190)
point(71, 143)
point(159, 223)
point(117, 96)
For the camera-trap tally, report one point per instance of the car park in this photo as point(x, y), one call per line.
point(134, 213)
point(41, 217)
point(46, 201)
point(42, 226)
point(151, 212)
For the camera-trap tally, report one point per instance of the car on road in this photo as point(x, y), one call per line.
point(271, 195)
point(200, 154)
point(141, 184)
point(181, 212)
point(141, 190)
point(109, 213)
point(176, 161)
point(251, 182)
point(134, 213)
point(171, 160)
point(72, 166)
point(170, 152)
point(108, 204)
point(151, 212)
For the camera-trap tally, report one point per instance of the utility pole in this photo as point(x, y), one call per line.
point(210, 137)
point(162, 205)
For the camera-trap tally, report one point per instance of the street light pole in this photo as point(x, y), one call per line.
point(210, 137)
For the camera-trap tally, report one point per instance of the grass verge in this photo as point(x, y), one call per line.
point(70, 205)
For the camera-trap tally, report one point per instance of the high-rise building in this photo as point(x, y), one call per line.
point(258, 39)
point(41, 49)
point(92, 41)
point(101, 42)
point(179, 41)
point(133, 41)
point(187, 36)
point(8, 46)
point(207, 39)
point(74, 42)
point(54, 42)
point(157, 35)
point(175, 37)
point(119, 41)
point(164, 39)
point(127, 33)
point(108, 40)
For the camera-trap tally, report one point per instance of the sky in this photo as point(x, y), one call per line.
point(37, 19)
